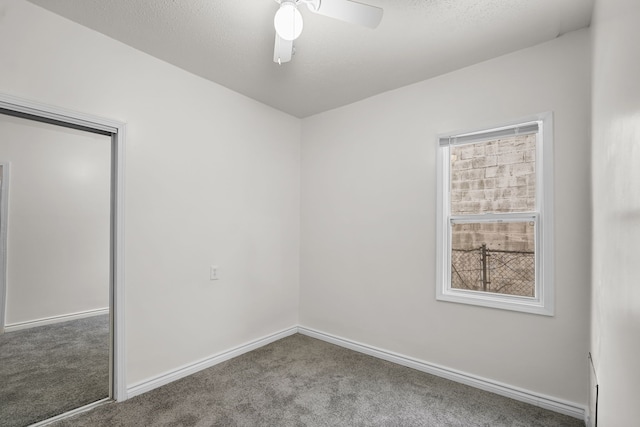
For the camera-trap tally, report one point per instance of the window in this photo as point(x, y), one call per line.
point(495, 223)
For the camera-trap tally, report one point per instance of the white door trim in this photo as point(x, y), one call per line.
point(4, 211)
point(56, 115)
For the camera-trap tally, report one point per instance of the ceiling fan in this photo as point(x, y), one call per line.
point(288, 20)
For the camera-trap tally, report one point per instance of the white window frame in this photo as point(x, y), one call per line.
point(542, 215)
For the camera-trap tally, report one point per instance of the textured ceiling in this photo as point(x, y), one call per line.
point(231, 42)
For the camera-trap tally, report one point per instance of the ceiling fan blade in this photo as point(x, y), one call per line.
point(283, 50)
point(349, 11)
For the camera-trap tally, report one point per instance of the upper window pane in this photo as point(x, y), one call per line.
point(497, 176)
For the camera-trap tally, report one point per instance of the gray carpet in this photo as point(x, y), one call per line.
point(301, 381)
point(49, 370)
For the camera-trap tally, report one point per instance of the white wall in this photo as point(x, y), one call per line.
point(214, 177)
point(210, 177)
point(58, 228)
point(369, 221)
point(615, 338)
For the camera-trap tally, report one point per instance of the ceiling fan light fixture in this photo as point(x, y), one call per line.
point(288, 21)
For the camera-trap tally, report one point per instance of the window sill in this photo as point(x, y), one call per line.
point(503, 302)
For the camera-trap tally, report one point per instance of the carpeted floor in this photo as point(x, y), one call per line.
point(301, 381)
point(49, 370)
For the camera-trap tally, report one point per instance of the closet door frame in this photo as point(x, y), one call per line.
point(32, 110)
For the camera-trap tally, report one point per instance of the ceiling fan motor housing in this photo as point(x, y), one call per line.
point(288, 21)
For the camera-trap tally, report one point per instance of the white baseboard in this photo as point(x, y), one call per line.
point(55, 319)
point(568, 408)
point(208, 362)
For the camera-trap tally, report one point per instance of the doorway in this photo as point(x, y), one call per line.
point(57, 311)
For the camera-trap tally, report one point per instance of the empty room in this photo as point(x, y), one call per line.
point(319, 212)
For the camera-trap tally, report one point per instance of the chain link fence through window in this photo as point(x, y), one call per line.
point(496, 271)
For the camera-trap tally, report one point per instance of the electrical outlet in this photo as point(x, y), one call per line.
point(213, 274)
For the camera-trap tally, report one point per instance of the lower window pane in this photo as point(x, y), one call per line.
point(495, 257)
